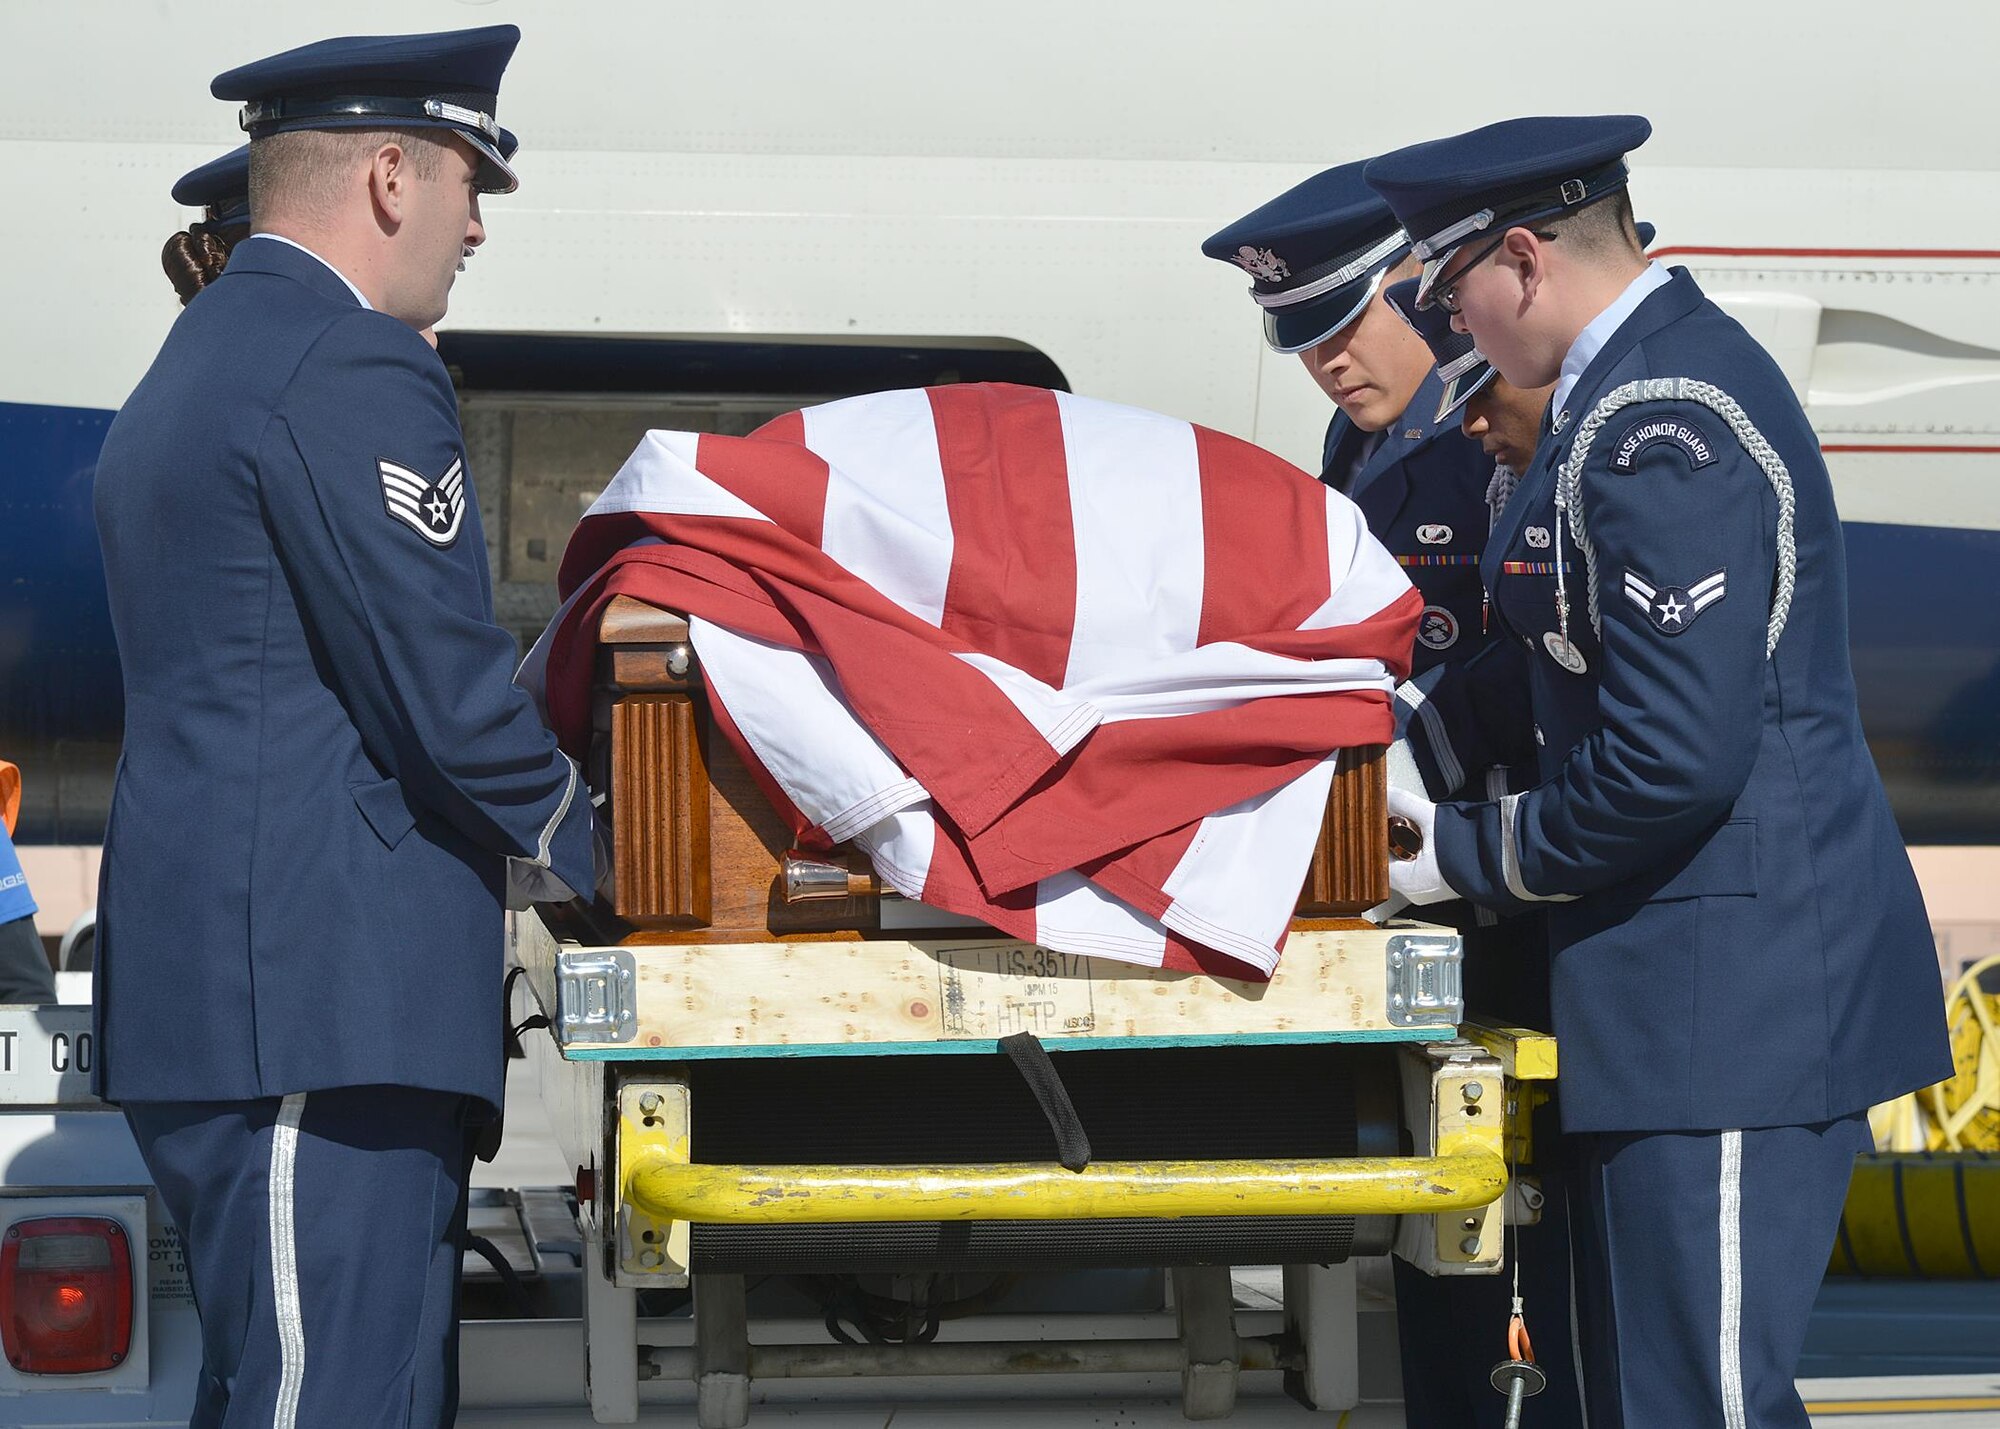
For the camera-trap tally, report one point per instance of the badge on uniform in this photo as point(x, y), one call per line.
point(1564, 653)
point(433, 509)
point(1672, 609)
point(1692, 441)
point(1434, 535)
point(1538, 537)
point(1437, 628)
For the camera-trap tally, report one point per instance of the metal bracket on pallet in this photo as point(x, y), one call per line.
point(1425, 984)
point(652, 1123)
point(1454, 1096)
point(597, 996)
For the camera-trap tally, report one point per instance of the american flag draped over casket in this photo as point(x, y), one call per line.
point(1074, 669)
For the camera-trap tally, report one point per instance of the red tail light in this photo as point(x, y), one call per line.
point(66, 1294)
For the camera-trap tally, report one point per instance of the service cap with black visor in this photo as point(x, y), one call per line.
point(448, 80)
point(1316, 253)
point(220, 188)
point(1488, 188)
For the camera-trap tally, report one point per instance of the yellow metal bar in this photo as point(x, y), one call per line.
point(1524, 1054)
point(1960, 1404)
point(667, 1190)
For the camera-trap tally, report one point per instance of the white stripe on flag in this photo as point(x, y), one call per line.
point(1135, 509)
point(1365, 578)
point(886, 519)
point(1062, 719)
point(1221, 675)
point(792, 714)
point(1250, 856)
point(661, 476)
point(1074, 915)
point(901, 846)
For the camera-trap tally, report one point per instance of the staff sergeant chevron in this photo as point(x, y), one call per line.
point(432, 509)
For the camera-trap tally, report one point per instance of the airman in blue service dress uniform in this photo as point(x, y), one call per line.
point(1322, 255)
point(1741, 961)
point(328, 775)
point(1319, 255)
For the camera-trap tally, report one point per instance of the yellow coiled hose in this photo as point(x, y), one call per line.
point(1928, 1205)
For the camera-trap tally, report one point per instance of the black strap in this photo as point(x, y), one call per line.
point(528, 1024)
point(1032, 1059)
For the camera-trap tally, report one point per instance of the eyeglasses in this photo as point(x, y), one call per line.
point(1445, 295)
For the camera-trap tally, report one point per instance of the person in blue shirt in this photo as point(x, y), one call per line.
point(1741, 960)
point(25, 975)
point(329, 780)
point(1333, 278)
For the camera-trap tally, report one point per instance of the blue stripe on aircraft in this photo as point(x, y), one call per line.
point(1924, 628)
point(58, 661)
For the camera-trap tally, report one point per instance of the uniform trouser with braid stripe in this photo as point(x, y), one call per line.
point(323, 1234)
point(1699, 1256)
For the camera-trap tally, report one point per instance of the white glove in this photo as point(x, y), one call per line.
point(1418, 879)
point(1401, 769)
point(529, 883)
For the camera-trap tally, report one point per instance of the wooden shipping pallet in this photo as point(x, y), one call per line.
point(888, 996)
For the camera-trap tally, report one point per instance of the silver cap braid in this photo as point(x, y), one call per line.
point(1569, 482)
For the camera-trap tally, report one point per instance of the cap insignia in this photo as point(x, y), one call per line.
point(1261, 263)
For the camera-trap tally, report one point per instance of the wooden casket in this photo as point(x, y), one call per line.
point(701, 856)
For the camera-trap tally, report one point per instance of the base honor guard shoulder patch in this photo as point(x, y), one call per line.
point(1672, 609)
point(1692, 441)
point(433, 509)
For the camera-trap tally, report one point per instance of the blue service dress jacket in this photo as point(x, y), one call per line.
point(326, 762)
point(1423, 493)
point(1737, 937)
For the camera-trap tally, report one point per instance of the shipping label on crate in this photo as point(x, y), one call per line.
point(993, 990)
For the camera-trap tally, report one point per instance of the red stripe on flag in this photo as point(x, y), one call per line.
point(779, 477)
point(786, 427)
point(1185, 957)
point(775, 472)
point(1254, 506)
point(1135, 780)
point(952, 886)
point(1012, 592)
point(1139, 875)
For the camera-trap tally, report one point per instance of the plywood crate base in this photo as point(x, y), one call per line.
point(961, 994)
